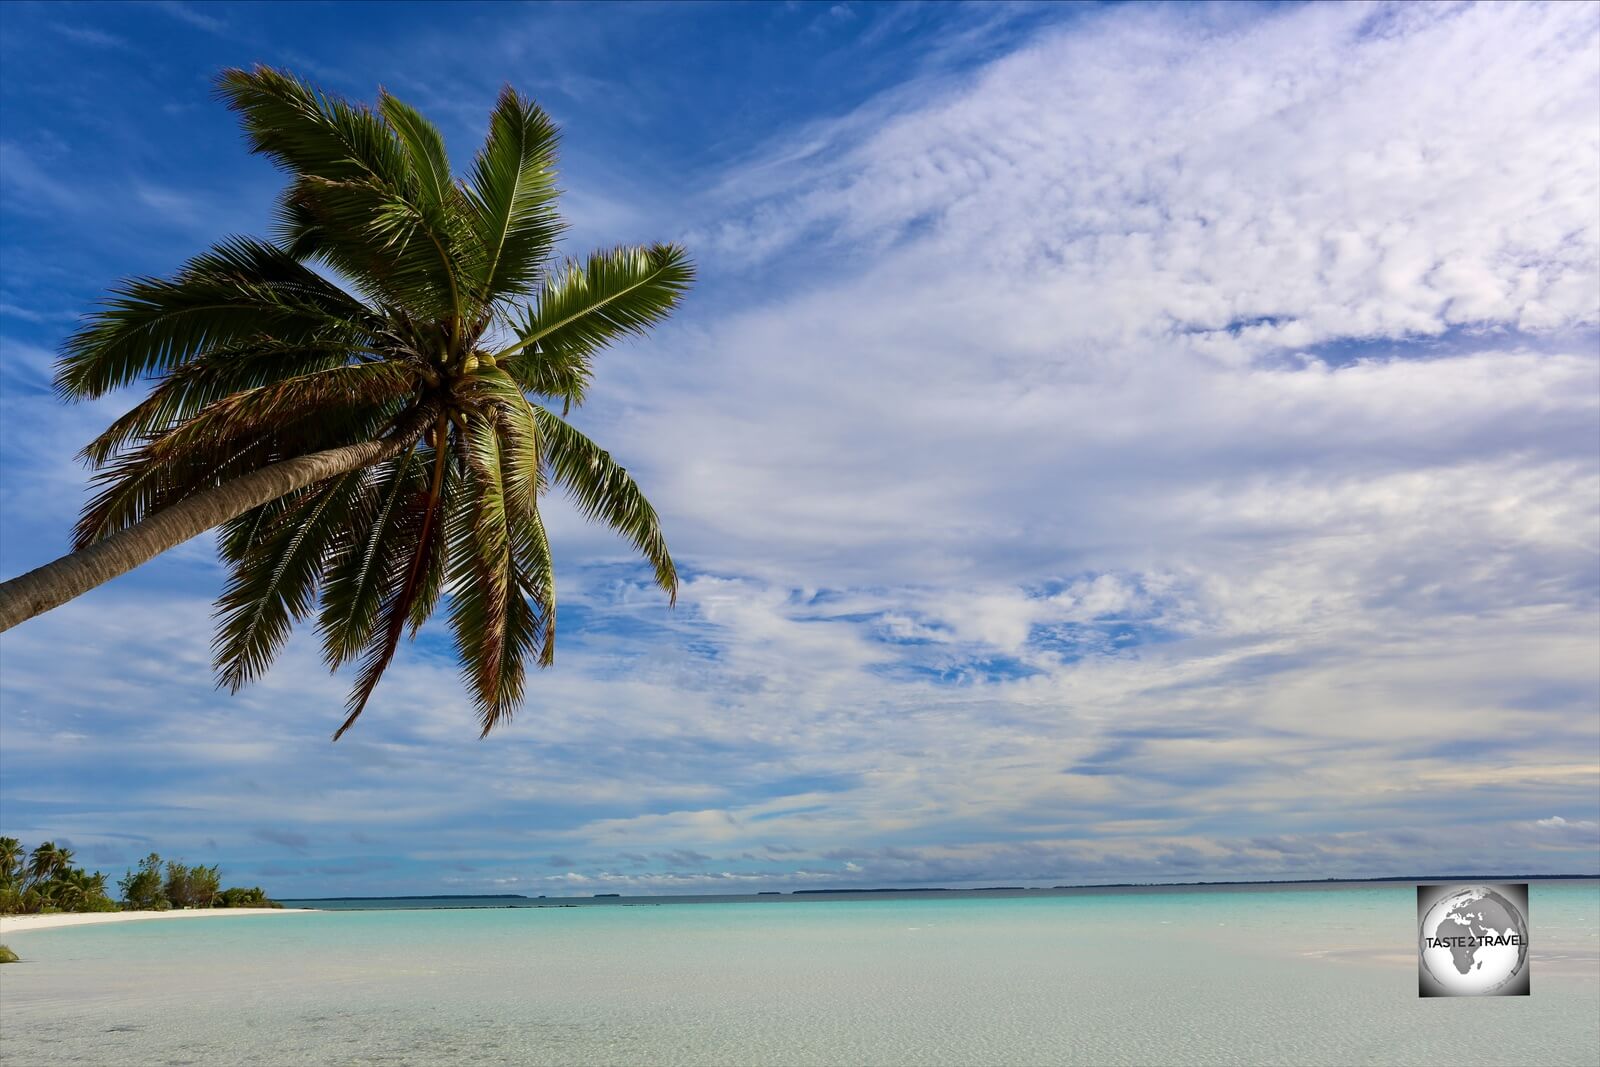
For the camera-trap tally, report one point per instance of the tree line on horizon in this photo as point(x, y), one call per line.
point(45, 881)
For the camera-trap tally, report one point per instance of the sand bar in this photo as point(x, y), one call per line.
point(16, 924)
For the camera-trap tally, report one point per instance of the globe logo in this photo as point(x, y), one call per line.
point(1474, 940)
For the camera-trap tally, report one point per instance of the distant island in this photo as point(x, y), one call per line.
point(1408, 879)
point(924, 889)
point(877, 890)
point(516, 899)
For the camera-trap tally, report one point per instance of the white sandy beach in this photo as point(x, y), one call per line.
point(12, 924)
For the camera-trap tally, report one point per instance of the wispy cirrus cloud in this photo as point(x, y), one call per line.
point(192, 14)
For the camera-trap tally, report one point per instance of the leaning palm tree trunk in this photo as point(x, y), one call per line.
point(56, 583)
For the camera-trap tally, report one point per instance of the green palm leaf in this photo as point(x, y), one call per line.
point(364, 561)
point(511, 198)
point(190, 388)
point(536, 577)
point(431, 580)
point(495, 628)
point(418, 536)
point(586, 307)
point(239, 293)
point(605, 492)
point(310, 133)
point(522, 475)
point(237, 536)
point(243, 432)
point(502, 400)
point(400, 251)
point(274, 584)
point(363, 195)
point(424, 147)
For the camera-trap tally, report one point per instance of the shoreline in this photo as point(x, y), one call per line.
point(18, 924)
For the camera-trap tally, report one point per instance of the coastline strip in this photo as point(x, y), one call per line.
point(17, 924)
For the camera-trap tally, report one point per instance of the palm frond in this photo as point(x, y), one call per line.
point(496, 629)
point(431, 581)
point(422, 535)
point(424, 146)
point(503, 399)
point(522, 475)
point(311, 133)
point(587, 306)
point(237, 536)
point(241, 292)
point(604, 491)
point(365, 193)
point(243, 432)
point(273, 586)
point(365, 559)
point(536, 577)
point(511, 199)
point(402, 251)
point(191, 387)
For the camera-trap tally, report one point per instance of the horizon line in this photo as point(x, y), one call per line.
point(1407, 879)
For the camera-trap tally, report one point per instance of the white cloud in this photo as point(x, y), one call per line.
point(1335, 169)
point(1294, 328)
point(1186, 421)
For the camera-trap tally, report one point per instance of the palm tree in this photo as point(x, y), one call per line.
point(12, 855)
point(48, 860)
point(93, 885)
point(69, 890)
point(378, 431)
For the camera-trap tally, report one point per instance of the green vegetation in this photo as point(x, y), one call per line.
point(146, 888)
point(142, 889)
point(367, 405)
point(192, 887)
point(254, 897)
point(45, 881)
point(6, 955)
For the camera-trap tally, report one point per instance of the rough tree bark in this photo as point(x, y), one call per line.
point(55, 583)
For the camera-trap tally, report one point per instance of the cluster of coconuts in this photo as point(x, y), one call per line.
point(475, 359)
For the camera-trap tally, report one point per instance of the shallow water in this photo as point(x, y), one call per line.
point(1181, 977)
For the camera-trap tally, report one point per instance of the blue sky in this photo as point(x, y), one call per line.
point(1106, 443)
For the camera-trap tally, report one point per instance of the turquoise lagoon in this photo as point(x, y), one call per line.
point(1280, 975)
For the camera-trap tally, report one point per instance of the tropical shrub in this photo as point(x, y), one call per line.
point(142, 889)
point(238, 897)
point(191, 887)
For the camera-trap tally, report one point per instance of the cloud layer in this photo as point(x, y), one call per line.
point(1165, 450)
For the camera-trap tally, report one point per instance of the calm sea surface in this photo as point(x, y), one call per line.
point(1294, 975)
